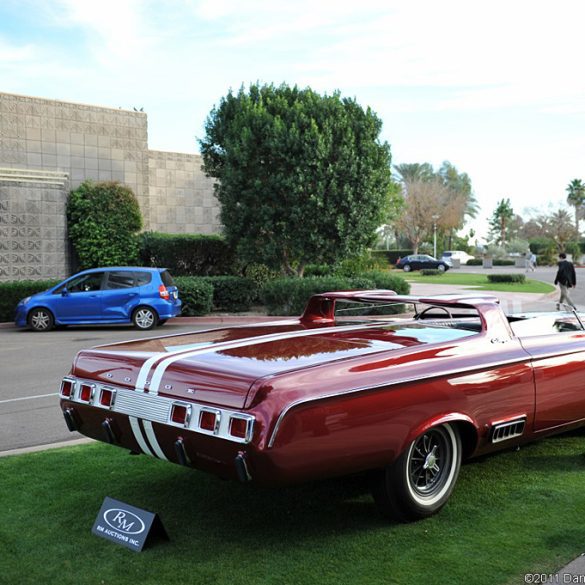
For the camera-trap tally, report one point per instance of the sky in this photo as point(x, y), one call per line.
point(497, 88)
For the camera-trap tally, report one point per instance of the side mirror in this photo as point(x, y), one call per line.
point(65, 292)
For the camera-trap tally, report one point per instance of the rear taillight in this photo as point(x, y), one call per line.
point(107, 396)
point(180, 414)
point(86, 392)
point(241, 427)
point(67, 388)
point(163, 292)
point(209, 420)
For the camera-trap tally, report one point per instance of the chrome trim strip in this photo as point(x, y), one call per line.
point(407, 380)
point(138, 436)
point(157, 409)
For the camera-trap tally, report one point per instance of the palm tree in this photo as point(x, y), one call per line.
point(576, 197)
point(500, 219)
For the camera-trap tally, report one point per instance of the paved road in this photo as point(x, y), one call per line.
point(31, 367)
point(32, 364)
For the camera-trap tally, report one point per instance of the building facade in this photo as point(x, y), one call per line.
point(48, 148)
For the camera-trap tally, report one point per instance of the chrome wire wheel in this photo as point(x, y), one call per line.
point(430, 464)
point(144, 318)
point(41, 320)
point(420, 481)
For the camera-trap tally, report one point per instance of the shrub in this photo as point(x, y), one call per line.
point(259, 274)
point(388, 281)
point(188, 254)
point(12, 292)
point(475, 262)
point(232, 293)
point(503, 262)
point(196, 294)
point(390, 256)
point(319, 270)
point(354, 267)
point(514, 278)
point(288, 296)
point(103, 221)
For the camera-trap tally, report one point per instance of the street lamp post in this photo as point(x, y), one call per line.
point(435, 218)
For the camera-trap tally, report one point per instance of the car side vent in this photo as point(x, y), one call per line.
point(508, 430)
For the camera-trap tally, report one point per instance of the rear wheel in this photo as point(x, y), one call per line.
point(406, 268)
point(144, 318)
point(419, 483)
point(41, 320)
point(441, 268)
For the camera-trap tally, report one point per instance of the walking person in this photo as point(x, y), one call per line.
point(566, 279)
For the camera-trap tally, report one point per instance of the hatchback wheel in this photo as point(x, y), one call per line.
point(406, 268)
point(41, 320)
point(144, 318)
point(441, 268)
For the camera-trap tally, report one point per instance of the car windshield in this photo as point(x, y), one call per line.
point(349, 311)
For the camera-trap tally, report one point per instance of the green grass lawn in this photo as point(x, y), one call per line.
point(479, 282)
point(512, 513)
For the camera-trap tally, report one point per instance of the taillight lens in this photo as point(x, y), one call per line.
point(240, 427)
point(163, 292)
point(67, 387)
point(209, 420)
point(86, 392)
point(180, 414)
point(107, 397)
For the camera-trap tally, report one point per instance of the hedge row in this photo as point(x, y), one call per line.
point(495, 262)
point(201, 295)
point(187, 254)
point(288, 296)
point(516, 278)
point(12, 292)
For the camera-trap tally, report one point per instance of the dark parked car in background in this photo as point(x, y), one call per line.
point(420, 261)
point(145, 297)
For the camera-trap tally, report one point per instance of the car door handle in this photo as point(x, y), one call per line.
point(132, 294)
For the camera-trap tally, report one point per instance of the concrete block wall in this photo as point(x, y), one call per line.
point(181, 196)
point(48, 147)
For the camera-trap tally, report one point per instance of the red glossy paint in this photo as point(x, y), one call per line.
point(329, 399)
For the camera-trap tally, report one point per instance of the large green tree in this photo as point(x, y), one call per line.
point(576, 198)
point(302, 177)
point(103, 221)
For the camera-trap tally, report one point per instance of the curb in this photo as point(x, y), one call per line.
point(46, 447)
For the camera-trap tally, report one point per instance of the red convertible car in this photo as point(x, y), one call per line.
point(406, 387)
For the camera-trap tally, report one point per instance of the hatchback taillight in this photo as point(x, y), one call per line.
point(163, 292)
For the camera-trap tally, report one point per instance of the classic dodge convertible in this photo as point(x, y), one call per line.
point(403, 386)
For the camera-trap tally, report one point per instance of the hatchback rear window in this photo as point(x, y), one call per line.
point(143, 278)
point(167, 278)
point(120, 279)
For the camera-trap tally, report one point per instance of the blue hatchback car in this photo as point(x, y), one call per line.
point(146, 297)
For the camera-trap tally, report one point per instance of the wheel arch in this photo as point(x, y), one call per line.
point(45, 307)
point(464, 424)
